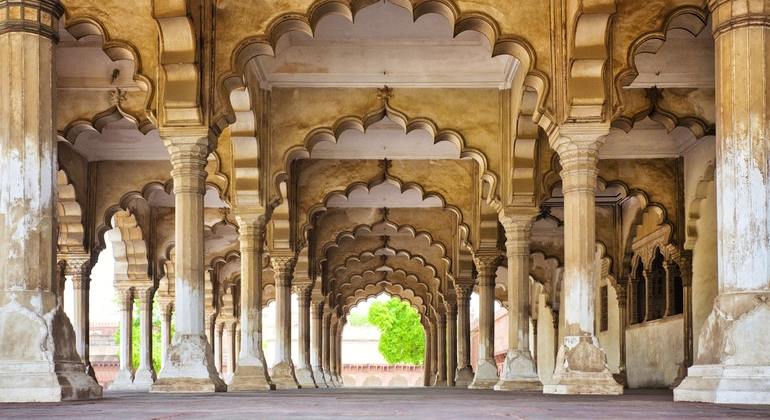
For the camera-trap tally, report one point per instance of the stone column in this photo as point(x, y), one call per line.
point(252, 369)
point(283, 370)
point(486, 368)
point(304, 371)
point(79, 268)
point(219, 330)
point(451, 340)
point(39, 361)
point(326, 334)
point(464, 374)
point(733, 362)
point(166, 310)
point(145, 373)
point(124, 379)
point(189, 365)
point(581, 364)
point(333, 351)
point(426, 358)
point(441, 353)
point(338, 348)
point(316, 343)
point(232, 355)
point(622, 295)
point(519, 369)
point(237, 343)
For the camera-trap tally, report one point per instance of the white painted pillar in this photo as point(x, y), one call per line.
point(733, 363)
point(252, 368)
point(519, 370)
point(338, 348)
point(327, 348)
point(79, 268)
point(219, 330)
point(333, 350)
point(166, 310)
point(581, 364)
point(486, 368)
point(441, 350)
point(30, 310)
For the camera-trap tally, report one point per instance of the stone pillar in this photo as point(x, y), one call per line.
point(283, 370)
point(464, 374)
point(79, 268)
point(519, 369)
point(304, 371)
point(426, 358)
point(316, 343)
point(237, 343)
point(326, 333)
point(333, 351)
point(189, 365)
point(252, 368)
point(124, 379)
point(622, 295)
point(451, 340)
point(39, 361)
point(486, 368)
point(219, 330)
point(430, 364)
point(232, 355)
point(145, 373)
point(733, 362)
point(338, 348)
point(581, 364)
point(441, 351)
point(166, 310)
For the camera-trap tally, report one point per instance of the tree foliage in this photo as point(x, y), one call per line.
point(402, 338)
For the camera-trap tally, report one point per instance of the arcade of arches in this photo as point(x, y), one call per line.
point(597, 166)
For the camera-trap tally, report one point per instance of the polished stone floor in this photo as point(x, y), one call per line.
point(382, 403)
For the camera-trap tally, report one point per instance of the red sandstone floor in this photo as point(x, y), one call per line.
point(372, 403)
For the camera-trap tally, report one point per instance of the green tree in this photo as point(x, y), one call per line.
point(402, 338)
point(136, 338)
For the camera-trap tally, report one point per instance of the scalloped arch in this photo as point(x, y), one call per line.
point(69, 216)
point(128, 248)
point(702, 192)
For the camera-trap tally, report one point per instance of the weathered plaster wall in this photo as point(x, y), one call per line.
point(702, 211)
point(654, 351)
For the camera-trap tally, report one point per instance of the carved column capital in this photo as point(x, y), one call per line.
point(731, 14)
point(578, 148)
point(251, 229)
point(283, 265)
point(189, 150)
point(517, 223)
point(303, 293)
point(316, 310)
point(451, 309)
point(463, 292)
point(39, 17)
point(125, 298)
point(79, 267)
point(486, 265)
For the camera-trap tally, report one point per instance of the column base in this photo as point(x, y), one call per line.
point(338, 381)
point(124, 381)
point(318, 375)
point(250, 378)
point(189, 367)
point(56, 372)
point(581, 369)
point(486, 375)
point(519, 373)
point(724, 384)
point(463, 377)
point(328, 379)
point(90, 371)
point(305, 377)
point(143, 379)
point(283, 376)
